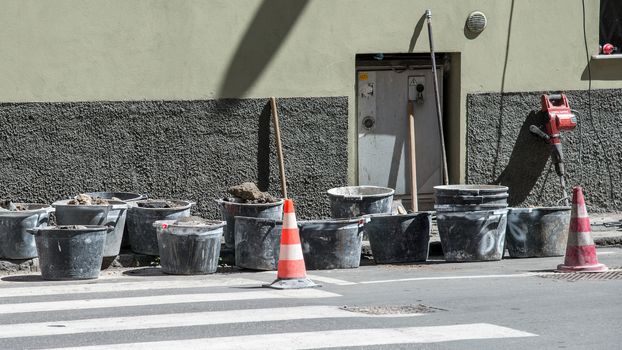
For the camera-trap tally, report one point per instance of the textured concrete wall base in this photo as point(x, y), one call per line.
point(501, 150)
point(173, 149)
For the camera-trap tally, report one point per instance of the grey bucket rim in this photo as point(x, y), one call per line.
point(46, 208)
point(529, 210)
point(172, 224)
point(187, 204)
point(407, 215)
point(388, 193)
point(347, 221)
point(114, 204)
point(84, 229)
point(252, 218)
point(499, 195)
point(474, 188)
point(273, 204)
point(140, 196)
point(474, 212)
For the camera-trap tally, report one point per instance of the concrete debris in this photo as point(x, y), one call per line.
point(158, 204)
point(196, 221)
point(8, 205)
point(248, 192)
point(84, 199)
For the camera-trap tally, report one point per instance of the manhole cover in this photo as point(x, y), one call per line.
point(612, 274)
point(392, 309)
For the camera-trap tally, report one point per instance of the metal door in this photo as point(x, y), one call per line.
point(383, 131)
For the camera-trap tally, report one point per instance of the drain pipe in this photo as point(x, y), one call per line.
point(439, 113)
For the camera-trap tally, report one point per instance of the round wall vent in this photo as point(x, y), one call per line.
point(476, 22)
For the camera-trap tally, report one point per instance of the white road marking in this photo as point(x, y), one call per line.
point(95, 287)
point(330, 280)
point(329, 339)
point(179, 320)
point(527, 274)
point(162, 299)
point(604, 253)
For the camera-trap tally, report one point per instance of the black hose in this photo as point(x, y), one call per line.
point(437, 96)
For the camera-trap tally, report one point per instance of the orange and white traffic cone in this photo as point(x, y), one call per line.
point(580, 249)
point(291, 273)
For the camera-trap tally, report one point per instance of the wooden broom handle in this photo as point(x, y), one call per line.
point(279, 146)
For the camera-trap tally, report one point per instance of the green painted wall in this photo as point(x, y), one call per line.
point(77, 50)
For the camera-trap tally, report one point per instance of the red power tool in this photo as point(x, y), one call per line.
point(560, 118)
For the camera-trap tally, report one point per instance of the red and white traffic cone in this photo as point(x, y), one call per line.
point(580, 249)
point(291, 273)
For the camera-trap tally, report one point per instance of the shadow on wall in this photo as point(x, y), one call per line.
point(416, 33)
point(270, 26)
point(501, 106)
point(603, 70)
point(263, 148)
point(527, 161)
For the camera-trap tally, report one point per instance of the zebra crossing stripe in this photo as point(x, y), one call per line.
point(81, 304)
point(328, 339)
point(330, 280)
point(121, 286)
point(178, 320)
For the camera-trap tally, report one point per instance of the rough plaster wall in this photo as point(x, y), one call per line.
point(173, 149)
point(501, 150)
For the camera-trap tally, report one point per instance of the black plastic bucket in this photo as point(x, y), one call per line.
point(470, 197)
point(230, 210)
point(331, 244)
point(472, 235)
point(188, 249)
point(399, 238)
point(128, 197)
point(257, 243)
point(143, 236)
point(537, 232)
point(68, 252)
point(15, 241)
point(355, 201)
point(114, 214)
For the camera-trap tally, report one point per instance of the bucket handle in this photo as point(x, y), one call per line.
point(361, 225)
point(35, 230)
point(353, 198)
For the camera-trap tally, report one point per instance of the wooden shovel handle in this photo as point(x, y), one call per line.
point(413, 156)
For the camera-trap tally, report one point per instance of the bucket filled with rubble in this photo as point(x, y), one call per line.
point(140, 220)
point(15, 219)
point(189, 246)
point(87, 210)
point(247, 200)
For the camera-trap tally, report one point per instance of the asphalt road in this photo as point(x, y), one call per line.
point(509, 304)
